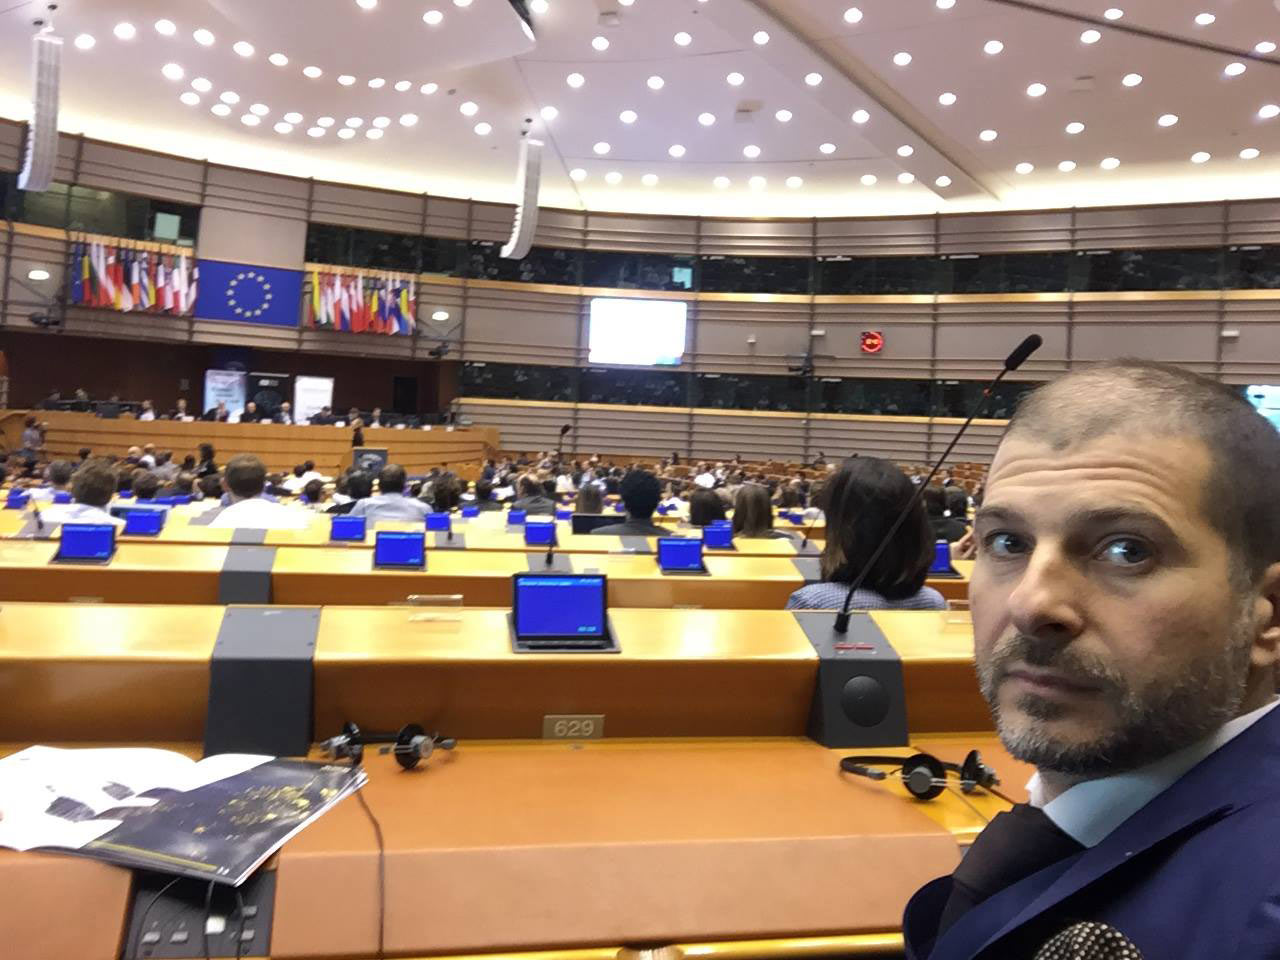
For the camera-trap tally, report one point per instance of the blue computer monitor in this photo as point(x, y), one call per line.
point(566, 514)
point(550, 606)
point(61, 496)
point(942, 560)
point(539, 533)
point(517, 517)
point(439, 522)
point(144, 523)
point(345, 529)
point(680, 555)
point(718, 536)
point(471, 512)
point(393, 550)
point(16, 500)
point(86, 543)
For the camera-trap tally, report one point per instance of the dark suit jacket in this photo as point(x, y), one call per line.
point(1192, 875)
point(635, 528)
point(535, 505)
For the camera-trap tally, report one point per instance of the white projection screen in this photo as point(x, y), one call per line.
point(637, 332)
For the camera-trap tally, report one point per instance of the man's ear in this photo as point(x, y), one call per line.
point(1266, 645)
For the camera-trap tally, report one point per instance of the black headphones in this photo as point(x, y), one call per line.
point(410, 745)
point(924, 775)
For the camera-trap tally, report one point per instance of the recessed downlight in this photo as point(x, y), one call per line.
point(992, 47)
point(947, 99)
point(906, 150)
point(813, 79)
point(868, 179)
point(1201, 156)
point(1066, 166)
point(1023, 168)
point(783, 116)
point(1109, 163)
point(655, 82)
point(676, 150)
point(575, 80)
point(1037, 90)
point(1090, 36)
point(751, 151)
point(1074, 127)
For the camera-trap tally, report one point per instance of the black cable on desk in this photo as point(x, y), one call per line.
point(239, 929)
point(142, 923)
point(204, 928)
point(382, 872)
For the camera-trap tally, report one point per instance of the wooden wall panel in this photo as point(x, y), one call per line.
point(630, 430)
point(905, 439)
point(777, 238)
point(1188, 225)
point(566, 229)
point(908, 338)
point(877, 238)
point(447, 217)
point(510, 326)
point(1253, 221)
point(26, 296)
point(1182, 332)
point(978, 445)
point(606, 231)
point(722, 331)
point(1254, 355)
point(724, 435)
point(998, 232)
point(974, 337)
point(110, 167)
point(366, 208)
point(10, 145)
point(522, 426)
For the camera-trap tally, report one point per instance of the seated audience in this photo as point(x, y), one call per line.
point(861, 502)
point(564, 483)
point(351, 488)
point(179, 411)
point(375, 418)
point(313, 494)
point(218, 414)
point(391, 502)
point(57, 477)
point(590, 499)
point(322, 419)
point(84, 453)
point(166, 469)
point(705, 506)
point(148, 459)
point(92, 486)
point(210, 487)
point(182, 485)
point(753, 514)
point(284, 415)
point(245, 480)
point(640, 492)
point(207, 465)
point(446, 494)
point(531, 497)
point(146, 486)
point(944, 526)
point(250, 414)
point(148, 412)
point(484, 496)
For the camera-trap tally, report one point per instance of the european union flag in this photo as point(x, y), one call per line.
point(243, 293)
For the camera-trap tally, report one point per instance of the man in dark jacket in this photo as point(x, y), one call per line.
point(532, 497)
point(640, 492)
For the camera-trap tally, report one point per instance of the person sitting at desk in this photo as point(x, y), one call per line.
point(484, 501)
point(532, 497)
point(57, 480)
point(323, 418)
point(640, 492)
point(148, 459)
point(245, 480)
point(705, 506)
point(351, 488)
point(284, 415)
point(862, 501)
point(182, 485)
point(218, 414)
point(207, 466)
point(209, 487)
point(945, 527)
point(92, 487)
point(590, 499)
point(147, 412)
point(753, 514)
point(146, 486)
point(375, 418)
point(314, 495)
point(446, 494)
point(166, 470)
point(391, 503)
point(251, 414)
point(179, 411)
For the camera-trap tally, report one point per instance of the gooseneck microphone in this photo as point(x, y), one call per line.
point(1012, 362)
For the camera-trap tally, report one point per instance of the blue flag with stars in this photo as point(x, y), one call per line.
point(243, 293)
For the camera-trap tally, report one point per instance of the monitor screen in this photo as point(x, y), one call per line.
point(347, 528)
point(471, 511)
point(613, 325)
point(679, 553)
point(516, 516)
point(718, 536)
point(539, 534)
point(399, 549)
point(87, 541)
point(145, 523)
point(941, 557)
point(559, 606)
point(440, 522)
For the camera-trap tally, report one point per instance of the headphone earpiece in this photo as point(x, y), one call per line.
point(923, 775)
point(410, 745)
point(975, 773)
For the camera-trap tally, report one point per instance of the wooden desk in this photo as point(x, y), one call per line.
point(139, 573)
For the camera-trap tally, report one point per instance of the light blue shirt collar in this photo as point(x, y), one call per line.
point(1089, 811)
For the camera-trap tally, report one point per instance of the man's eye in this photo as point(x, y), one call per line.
point(1005, 545)
point(1125, 551)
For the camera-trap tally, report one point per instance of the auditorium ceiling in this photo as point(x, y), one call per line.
point(723, 107)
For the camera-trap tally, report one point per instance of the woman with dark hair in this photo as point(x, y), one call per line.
point(705, 507)
point(590, 498)
point(861, 502)
point(753, 514)
point(207, 466)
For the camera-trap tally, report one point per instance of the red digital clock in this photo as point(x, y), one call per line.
point(872, 341)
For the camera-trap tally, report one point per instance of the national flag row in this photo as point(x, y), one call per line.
point(121, 278)
point(361, 304)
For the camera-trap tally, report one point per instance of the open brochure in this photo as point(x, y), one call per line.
point(217, 819)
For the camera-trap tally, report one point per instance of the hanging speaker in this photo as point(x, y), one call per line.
point(526, 219)
point(42, 134)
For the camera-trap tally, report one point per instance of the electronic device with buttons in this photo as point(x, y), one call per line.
point(560, 613)
point(399, 551)
point(86, 543)
point(538, 533)
point(346, 529)
point(681, 556)
point(180, 918)
point(718, 536)
point(144, 523)
point(439, 522)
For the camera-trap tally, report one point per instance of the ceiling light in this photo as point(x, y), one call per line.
point(312, 72)
point(575, 80)
point(813, 79)
point(125, 31)
point(992, 47)
point(467, 3)
point(624, 3)
point(1090, 36)
point(85, 42)
point(539, 6)
point(38, 273)
point(439, 316)
point(1268, 111)
point(229, 96)
point(548, 113)
point(1037, 90)
point(577, 175)
point(249, 120)
point(381, 122)
point(601, 148)
point(628, 116)
point(1023, 168)
point(402, 86)
point(172, 71)
point(751, 151)
point(279, 60)
point(243, 47)
point(783, 116)
point(346, 133)
point(377, 83)
point(1201, 156)
point(374, 134)
point(315, 132)
point(795, 183)
point(432, 18)
point(868, 179)
point(355, 123)
point(649, 179)
point(325, 122)
point(906, 150)
point(706, 119)
point(201, 84)
point(220, 109)
point(1204, 19)
point(682, 39)
point(676, 150)
point(757, 183)
point(366, 4)
point(946, 99)
point(853, 15)
point(735, 79)
point(1249, 153)
point(613, 178)
point(827, 147)
point(166, 28)
point(293, 117)
point(656, 82)
point(721, 182)
point(987, 135)
point(259, 109)
point(1074, 127)
point(203, 37)
point(600, 43)
point(943, 181)
point(468, 108)
point(860, 117)
point(190, 98)
point(1109, 163)
point(902, 58)
point(1113, 13)
point(1234, 69)
point(904, 178)
point(944, 4)
point(1066, 166)
point(760, 38)
point(1266, 46)
point(408, 119)
point(1168, 119)
point(427, 89)
point(346, 79)
point(283, 127)
point(1131, 79)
